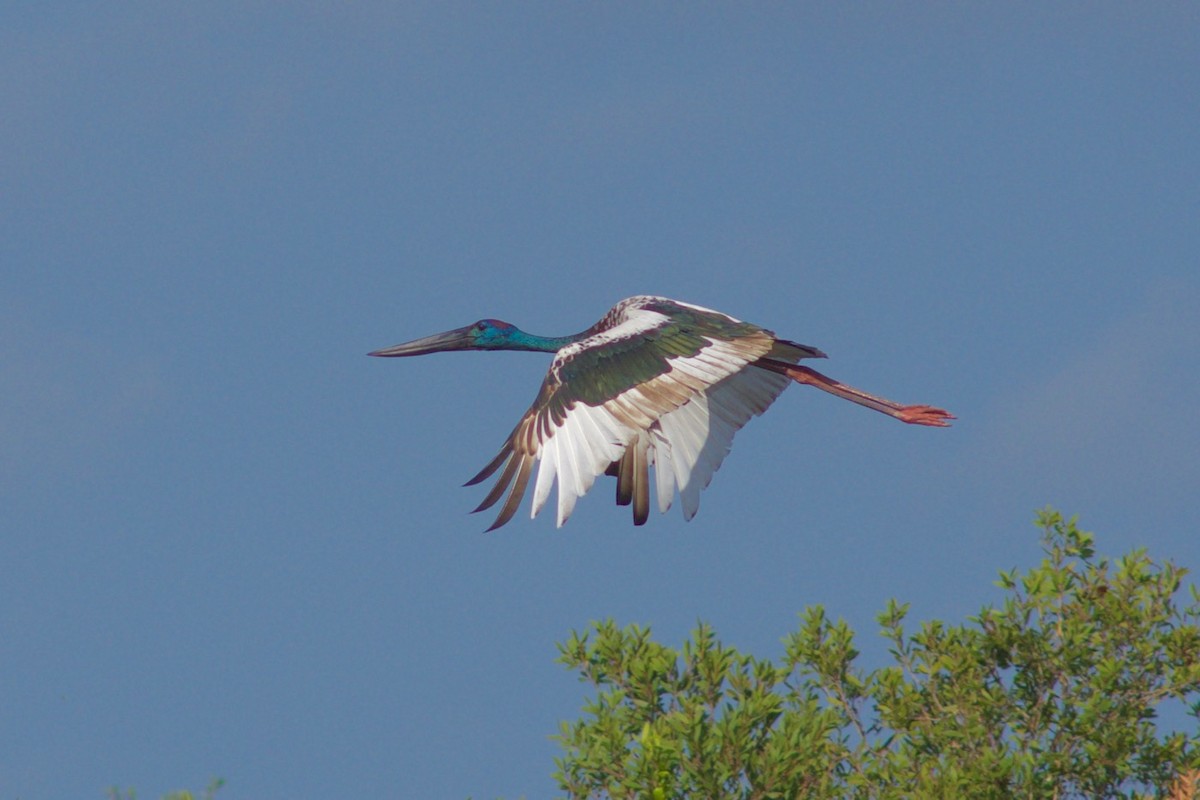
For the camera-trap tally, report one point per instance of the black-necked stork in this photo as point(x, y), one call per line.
point(655, 382)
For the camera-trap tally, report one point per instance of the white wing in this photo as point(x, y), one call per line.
point(632, 395)
point(692, 441)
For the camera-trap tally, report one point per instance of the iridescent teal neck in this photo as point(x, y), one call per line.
point(520, 340)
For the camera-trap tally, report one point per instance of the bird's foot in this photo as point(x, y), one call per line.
point(924, 415)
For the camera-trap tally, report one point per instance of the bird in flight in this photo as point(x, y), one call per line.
point(656, 382)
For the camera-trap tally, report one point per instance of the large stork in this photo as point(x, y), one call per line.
point(655, 382)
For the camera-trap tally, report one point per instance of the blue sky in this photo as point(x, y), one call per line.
point(236, 546)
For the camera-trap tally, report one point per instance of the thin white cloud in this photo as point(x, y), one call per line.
point(1122, 416)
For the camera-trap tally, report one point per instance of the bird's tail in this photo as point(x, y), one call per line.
point(791, 352)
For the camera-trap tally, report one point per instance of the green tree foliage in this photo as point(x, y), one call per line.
point(183, 794)
point(1053, 694)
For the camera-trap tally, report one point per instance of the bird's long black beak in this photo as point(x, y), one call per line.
point(458, 339)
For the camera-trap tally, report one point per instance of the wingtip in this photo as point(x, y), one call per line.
point(492, 465)
point(499, 522)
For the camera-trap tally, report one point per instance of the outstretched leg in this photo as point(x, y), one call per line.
point(914, 415)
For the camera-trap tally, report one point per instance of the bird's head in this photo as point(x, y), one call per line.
point(486, 334)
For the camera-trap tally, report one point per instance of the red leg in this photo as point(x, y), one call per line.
point(914, 415)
